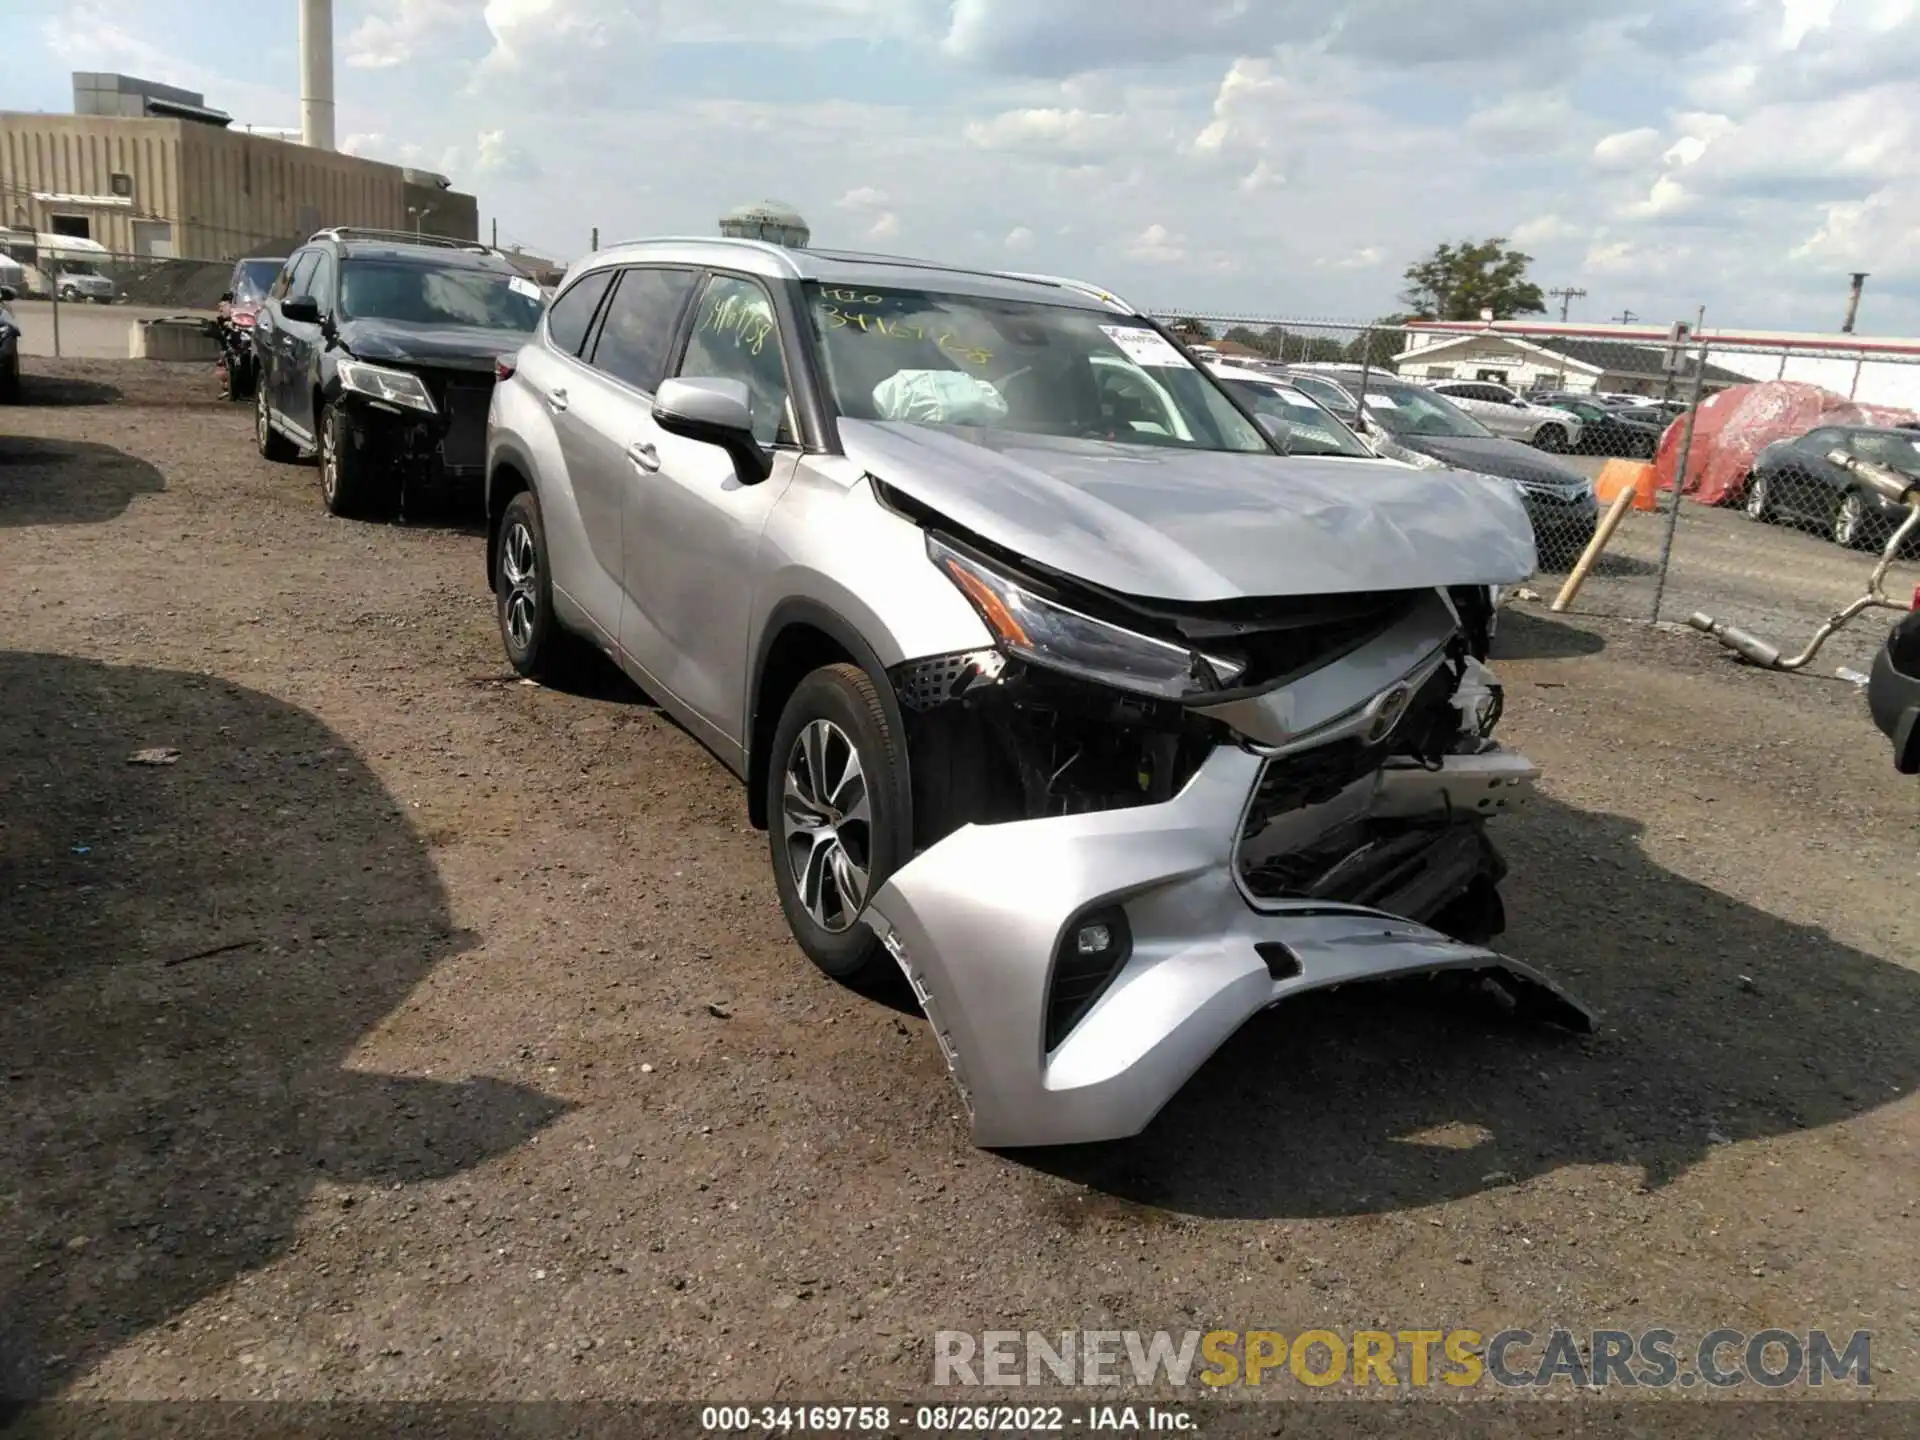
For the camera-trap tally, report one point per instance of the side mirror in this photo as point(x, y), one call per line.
point(1278, 431)
point(714, 412)
point(226, 297)
point(304, 310)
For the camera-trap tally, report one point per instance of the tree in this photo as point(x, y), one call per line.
point(1457, 282)
point(1261, 341)
point(1378, 345)
point(1191, 330)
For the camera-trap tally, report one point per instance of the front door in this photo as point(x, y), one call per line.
point(692, 529)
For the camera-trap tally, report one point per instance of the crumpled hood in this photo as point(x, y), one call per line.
point(451, 347)
point(1508, 459)
point(1198, 526)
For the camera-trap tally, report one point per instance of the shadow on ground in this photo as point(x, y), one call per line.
point(189, 955)
point(55, 391)
point(1718, 1022)
point(69, 482)
point(1532, 635)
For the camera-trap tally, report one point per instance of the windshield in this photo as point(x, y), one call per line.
point(1325, 391)
point(1310, 429)
point(1410, 410)
point(253, 278)
point(423, 295)
point(77, 267)
point(938, 359)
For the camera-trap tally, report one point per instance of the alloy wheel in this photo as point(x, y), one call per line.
point(827, 823)
point(262, 423)
point(520, 568)
point(1848, 519)
point(1757, 498)
point(330, 457)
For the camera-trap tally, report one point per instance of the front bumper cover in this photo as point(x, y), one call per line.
point(975, 922)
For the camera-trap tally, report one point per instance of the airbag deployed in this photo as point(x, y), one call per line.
point(938, 397)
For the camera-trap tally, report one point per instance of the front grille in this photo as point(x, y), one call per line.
point(463, 397)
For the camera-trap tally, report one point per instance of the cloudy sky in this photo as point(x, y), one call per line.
point(1276, 157)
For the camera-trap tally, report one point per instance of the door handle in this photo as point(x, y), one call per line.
point(644, 455)
point(557, 398)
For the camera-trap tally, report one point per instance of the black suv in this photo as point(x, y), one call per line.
point(377, 351)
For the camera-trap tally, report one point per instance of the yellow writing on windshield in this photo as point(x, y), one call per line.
point(868, 323)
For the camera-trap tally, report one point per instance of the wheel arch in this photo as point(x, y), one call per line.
point(508, 475)
point(800, 636)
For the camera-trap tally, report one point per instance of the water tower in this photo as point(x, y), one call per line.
point(767, 220)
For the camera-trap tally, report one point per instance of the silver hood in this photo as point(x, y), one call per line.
point(1198, 526)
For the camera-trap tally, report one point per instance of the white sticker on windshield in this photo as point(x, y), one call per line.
point(1381, 402)
point(1144, 346)
point(520, 285)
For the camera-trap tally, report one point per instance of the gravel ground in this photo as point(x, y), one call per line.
point(423, 1033)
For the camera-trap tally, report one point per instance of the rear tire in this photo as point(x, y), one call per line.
point(351, 483)
point(1758, 501)
point(1552, 438)
point(269, 441)
point(838, 809)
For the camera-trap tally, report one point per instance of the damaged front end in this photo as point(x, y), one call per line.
point(1139, 823)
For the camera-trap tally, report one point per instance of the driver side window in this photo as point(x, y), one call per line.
point(736, 336)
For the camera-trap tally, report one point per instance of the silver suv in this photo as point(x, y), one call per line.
point(1056, 682)
point(1508, 414)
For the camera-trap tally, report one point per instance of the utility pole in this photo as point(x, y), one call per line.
point(594, 244)
point(1625, 317)
point(496, 232)
point(1567, 295)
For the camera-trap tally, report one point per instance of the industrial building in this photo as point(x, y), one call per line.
point(153, 171)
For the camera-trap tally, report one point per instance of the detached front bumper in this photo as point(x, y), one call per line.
point(977, 922)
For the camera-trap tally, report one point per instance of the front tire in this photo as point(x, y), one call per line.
point(267, 440)
point(1552, 438)
point(351, 485)
point(838, 811)
point(1850, 521)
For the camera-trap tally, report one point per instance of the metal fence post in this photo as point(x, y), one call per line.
point(1679, 480)
point(1366, 367)
point(54, 292)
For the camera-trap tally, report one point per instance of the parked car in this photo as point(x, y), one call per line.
point(1793, 480)
point(233, 322)
point(377, 353)
point(1610, 430)
point(1330, 393)
point(1053, 682)
point(78, 280)
point(1893, 693)
point(1559, 500)
point(1506, 413)
point(9, 348)
point(1309, 427)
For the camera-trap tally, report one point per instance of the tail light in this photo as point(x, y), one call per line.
point(502, 369)
point(1916, 598)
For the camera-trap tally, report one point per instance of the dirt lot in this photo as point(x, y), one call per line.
point(424, 1033)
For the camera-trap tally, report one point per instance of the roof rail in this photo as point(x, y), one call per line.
point(1082, 287)
point(404, 237)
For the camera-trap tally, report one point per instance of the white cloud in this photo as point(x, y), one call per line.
point(1365, 258)
point(886, 226)
point(863, 198)
point(383, 40)
point(495, 156)
point(1018, 239)
point(1628, 149)
point(1544, 230)
point(1156, 245)
point(1046, 131)
point(1262, 177)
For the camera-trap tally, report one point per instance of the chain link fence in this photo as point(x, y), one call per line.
point(1767, 532)
point(104, 278)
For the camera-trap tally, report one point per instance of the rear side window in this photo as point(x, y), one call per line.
point(636, 338)
point(571, 314)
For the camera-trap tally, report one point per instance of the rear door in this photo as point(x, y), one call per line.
point(604, 410)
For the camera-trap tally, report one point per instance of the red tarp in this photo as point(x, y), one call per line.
point(1737, 424)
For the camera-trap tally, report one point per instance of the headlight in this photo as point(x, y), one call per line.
point(396, 387)
point(1039, 631)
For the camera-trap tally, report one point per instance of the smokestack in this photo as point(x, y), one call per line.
point(316, 73)
point(1853, 301)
